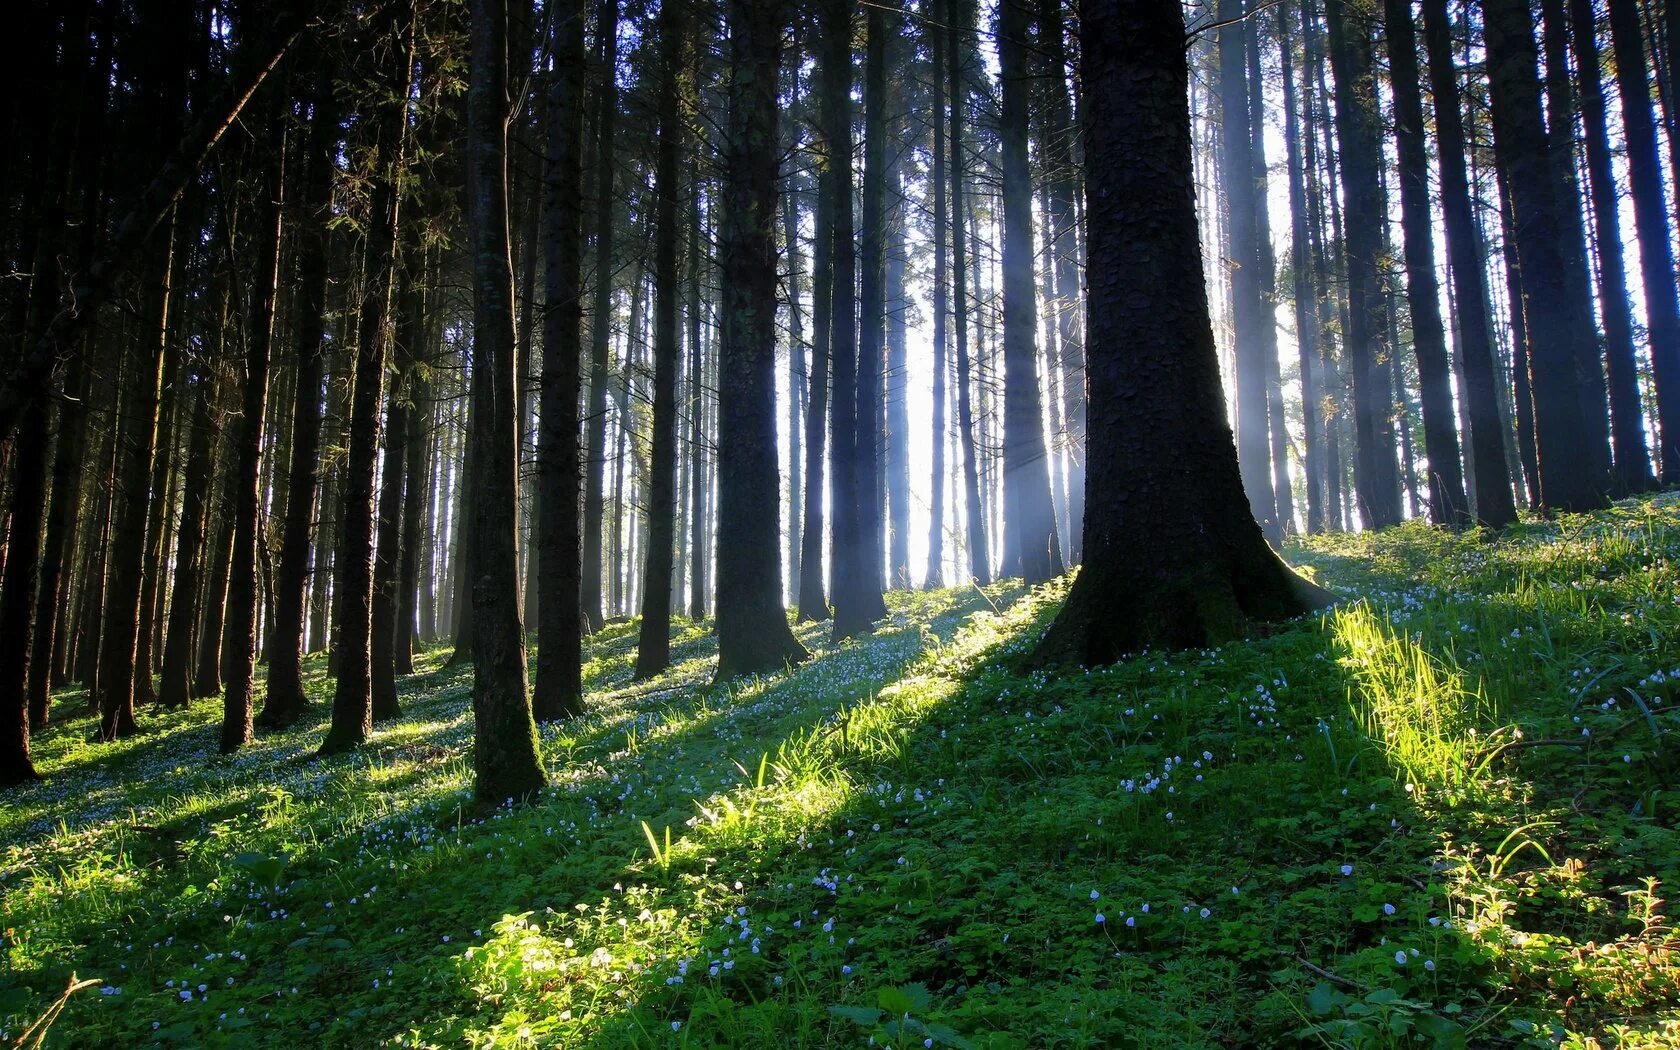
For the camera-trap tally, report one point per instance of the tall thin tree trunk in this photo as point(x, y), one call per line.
point(653, 644)
point(1567, 465)
point(239, 639)
point(979, 559)
point(506, 763)
point(1656, 236)
point(1448, 504)
point(1030, 547)
point(1627, 426)
point(559, 685)
point(1492, 503)
point(600, 334)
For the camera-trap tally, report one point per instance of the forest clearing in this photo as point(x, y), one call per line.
point(1452, 792)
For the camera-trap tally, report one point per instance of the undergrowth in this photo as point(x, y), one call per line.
point(1437, 815)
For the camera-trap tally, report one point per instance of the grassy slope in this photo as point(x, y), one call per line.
point(1176, 851)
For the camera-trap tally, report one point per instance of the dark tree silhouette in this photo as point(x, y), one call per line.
point(752, 627)
point(1173, 556)
point(506, 763)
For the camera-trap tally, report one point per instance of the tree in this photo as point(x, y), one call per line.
point(1030, 544)
point(850, 588)
point(858, 601)
point(752, 627)
point(352, 706)
point(560, 623)
point(979, 562)
point(1173, 557)
point(239, 639)
point(600, 333)
point(1627, 425)
point(1359, 130)
point(1523, 152)
point(1248, 311)
point(941, 302)
point(653, 643)
point(1490, 489)
point(506, 763)
point(1448, 504)
point(1656, 236)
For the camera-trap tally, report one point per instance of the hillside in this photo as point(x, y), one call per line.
point(1438, 815)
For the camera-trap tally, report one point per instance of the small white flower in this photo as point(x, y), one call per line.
point(1400, 957)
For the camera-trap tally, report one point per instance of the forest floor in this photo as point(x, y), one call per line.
point(1441, 814)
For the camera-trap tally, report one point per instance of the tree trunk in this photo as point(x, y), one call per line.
point(1627, 426)
point(979, 561)
point(872, 259)
point(284, 701)
point(600, 335)
point(1030, 545)
point(813, 602)
point(1448, 504)
point(1359, 129)
point(1307, 335)
point(506, 764)
point(1248, 312)
point(239, 639)
point(752, 627)
point(853, 575)
point(1062, 188)
point(1492, 504)
point(653, 643)
point(1172, 557)
point(1656, 239)
point(941, 301)
point(1567, 478)
point(560, 624)
point(352, 706)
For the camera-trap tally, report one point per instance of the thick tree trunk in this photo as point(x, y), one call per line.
point(1572, 230)
point(853, 577)
point(752, 627)
point(506, 764)
point(17, 593)
point(1172, 557)
point(872, 259)
point(559, 542)
point(1567, 475)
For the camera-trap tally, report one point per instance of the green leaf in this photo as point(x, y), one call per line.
point(863, 1015)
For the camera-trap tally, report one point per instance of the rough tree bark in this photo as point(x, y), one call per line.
point(1173, 557)
point(560, 624)
point(752, 627)
point(506, 763)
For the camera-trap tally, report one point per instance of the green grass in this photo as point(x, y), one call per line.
point(1438, 815)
